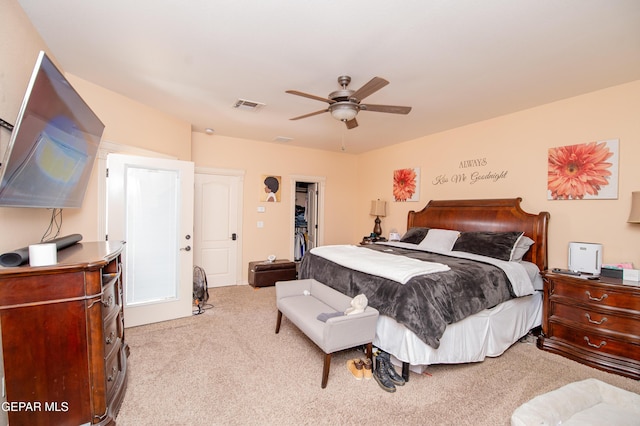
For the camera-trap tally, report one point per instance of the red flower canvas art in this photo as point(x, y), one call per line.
point(405, 185)
point(576, 172)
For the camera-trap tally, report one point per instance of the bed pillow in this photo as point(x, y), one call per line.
point(439, 240)
point(521, 248)
point(414, 235)
point(499, 245)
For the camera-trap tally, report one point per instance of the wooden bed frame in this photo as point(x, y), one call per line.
point(497, 215)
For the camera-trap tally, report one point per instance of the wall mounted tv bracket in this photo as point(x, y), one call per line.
point(6, 125)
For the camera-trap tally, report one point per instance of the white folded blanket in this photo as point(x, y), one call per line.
point(391, 266)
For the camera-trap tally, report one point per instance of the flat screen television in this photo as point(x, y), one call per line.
point(53, 144)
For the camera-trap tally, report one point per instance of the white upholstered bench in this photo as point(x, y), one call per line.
point(301, 301)
point(588, 402)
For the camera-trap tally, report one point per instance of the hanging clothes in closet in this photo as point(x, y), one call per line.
point(300, 246)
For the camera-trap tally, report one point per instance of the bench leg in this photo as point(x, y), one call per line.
point(325, 370)
point(278, 321)
point(369, 351)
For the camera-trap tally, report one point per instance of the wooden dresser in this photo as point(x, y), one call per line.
point(595, 322)
point(64, 351)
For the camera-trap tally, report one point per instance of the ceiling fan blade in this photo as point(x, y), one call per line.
point(375, 84)
point(393, 109)
point(310, 114)
point(351, 123)
point(306, 95)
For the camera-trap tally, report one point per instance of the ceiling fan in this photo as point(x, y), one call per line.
point(344, 104)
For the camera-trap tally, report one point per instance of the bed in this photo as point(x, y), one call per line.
point(471, 303)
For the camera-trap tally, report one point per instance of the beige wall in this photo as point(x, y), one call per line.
point(518, 144)
point(257, 159)
point(128, 122)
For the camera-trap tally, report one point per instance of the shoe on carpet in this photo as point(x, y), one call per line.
point(356, 367)
point(383, 361)
point(383, 380)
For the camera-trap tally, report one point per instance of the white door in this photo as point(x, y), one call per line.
point(312, 216)
point(150, 206)
point(217, 227)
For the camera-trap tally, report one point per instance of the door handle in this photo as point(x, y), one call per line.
point(187, 248)
point(234, 236)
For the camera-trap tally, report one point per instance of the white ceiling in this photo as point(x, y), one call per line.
point(454, 61)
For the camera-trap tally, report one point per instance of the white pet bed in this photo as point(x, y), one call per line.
point(584, 403)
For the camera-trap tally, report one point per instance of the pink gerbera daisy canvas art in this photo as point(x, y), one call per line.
point(406, 184)
point(583, 171)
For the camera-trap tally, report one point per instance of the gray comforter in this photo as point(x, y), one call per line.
point(426, 303)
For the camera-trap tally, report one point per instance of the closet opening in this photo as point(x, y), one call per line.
point(307, 216)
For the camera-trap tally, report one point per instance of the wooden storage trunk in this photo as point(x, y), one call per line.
point(264, 273)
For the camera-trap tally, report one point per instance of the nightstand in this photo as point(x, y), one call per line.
point(594, 322)
point(370, 240)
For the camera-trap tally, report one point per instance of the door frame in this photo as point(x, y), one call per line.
point(320, 181)
point(240, 188)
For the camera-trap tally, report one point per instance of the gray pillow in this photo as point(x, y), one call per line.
point(521, 248)
point(414, 235)
point(499, 245)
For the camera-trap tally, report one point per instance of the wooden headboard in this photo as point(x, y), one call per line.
point(497, 215)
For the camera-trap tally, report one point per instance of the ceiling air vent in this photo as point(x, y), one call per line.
point(282, 139)
point(247, 105)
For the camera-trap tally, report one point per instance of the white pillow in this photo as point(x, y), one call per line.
point(439, 240)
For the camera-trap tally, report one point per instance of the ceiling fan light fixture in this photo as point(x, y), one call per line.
point(343, 111)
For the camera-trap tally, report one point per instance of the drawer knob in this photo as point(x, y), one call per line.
point(596, 299)
point(592, 321)
point(110, 338)
point(593, 345)
point(109, 302)
point(114, 371)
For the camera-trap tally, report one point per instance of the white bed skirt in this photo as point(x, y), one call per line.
point(486, 334)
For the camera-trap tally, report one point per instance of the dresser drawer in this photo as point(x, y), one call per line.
point(595, 294)
point(113, 368)
point(112, 332)
point(593, 341)
point(111, 300)
point(597, 319)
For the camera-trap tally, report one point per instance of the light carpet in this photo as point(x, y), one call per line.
point(228, 367)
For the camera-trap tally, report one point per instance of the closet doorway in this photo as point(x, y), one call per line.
point(308, 214)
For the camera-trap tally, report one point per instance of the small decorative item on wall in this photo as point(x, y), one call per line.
point(271, 186)
point(583, 171)
point(406, 184)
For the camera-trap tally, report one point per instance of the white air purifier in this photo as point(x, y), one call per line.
point(585, 258)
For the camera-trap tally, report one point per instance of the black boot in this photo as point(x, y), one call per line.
point(383, 379)
point(385, 363)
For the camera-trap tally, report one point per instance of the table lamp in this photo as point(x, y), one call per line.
point(378, 209)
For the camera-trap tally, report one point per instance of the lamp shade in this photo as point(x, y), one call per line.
point(634, 216)
point(343, 111)
point(378, 208)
